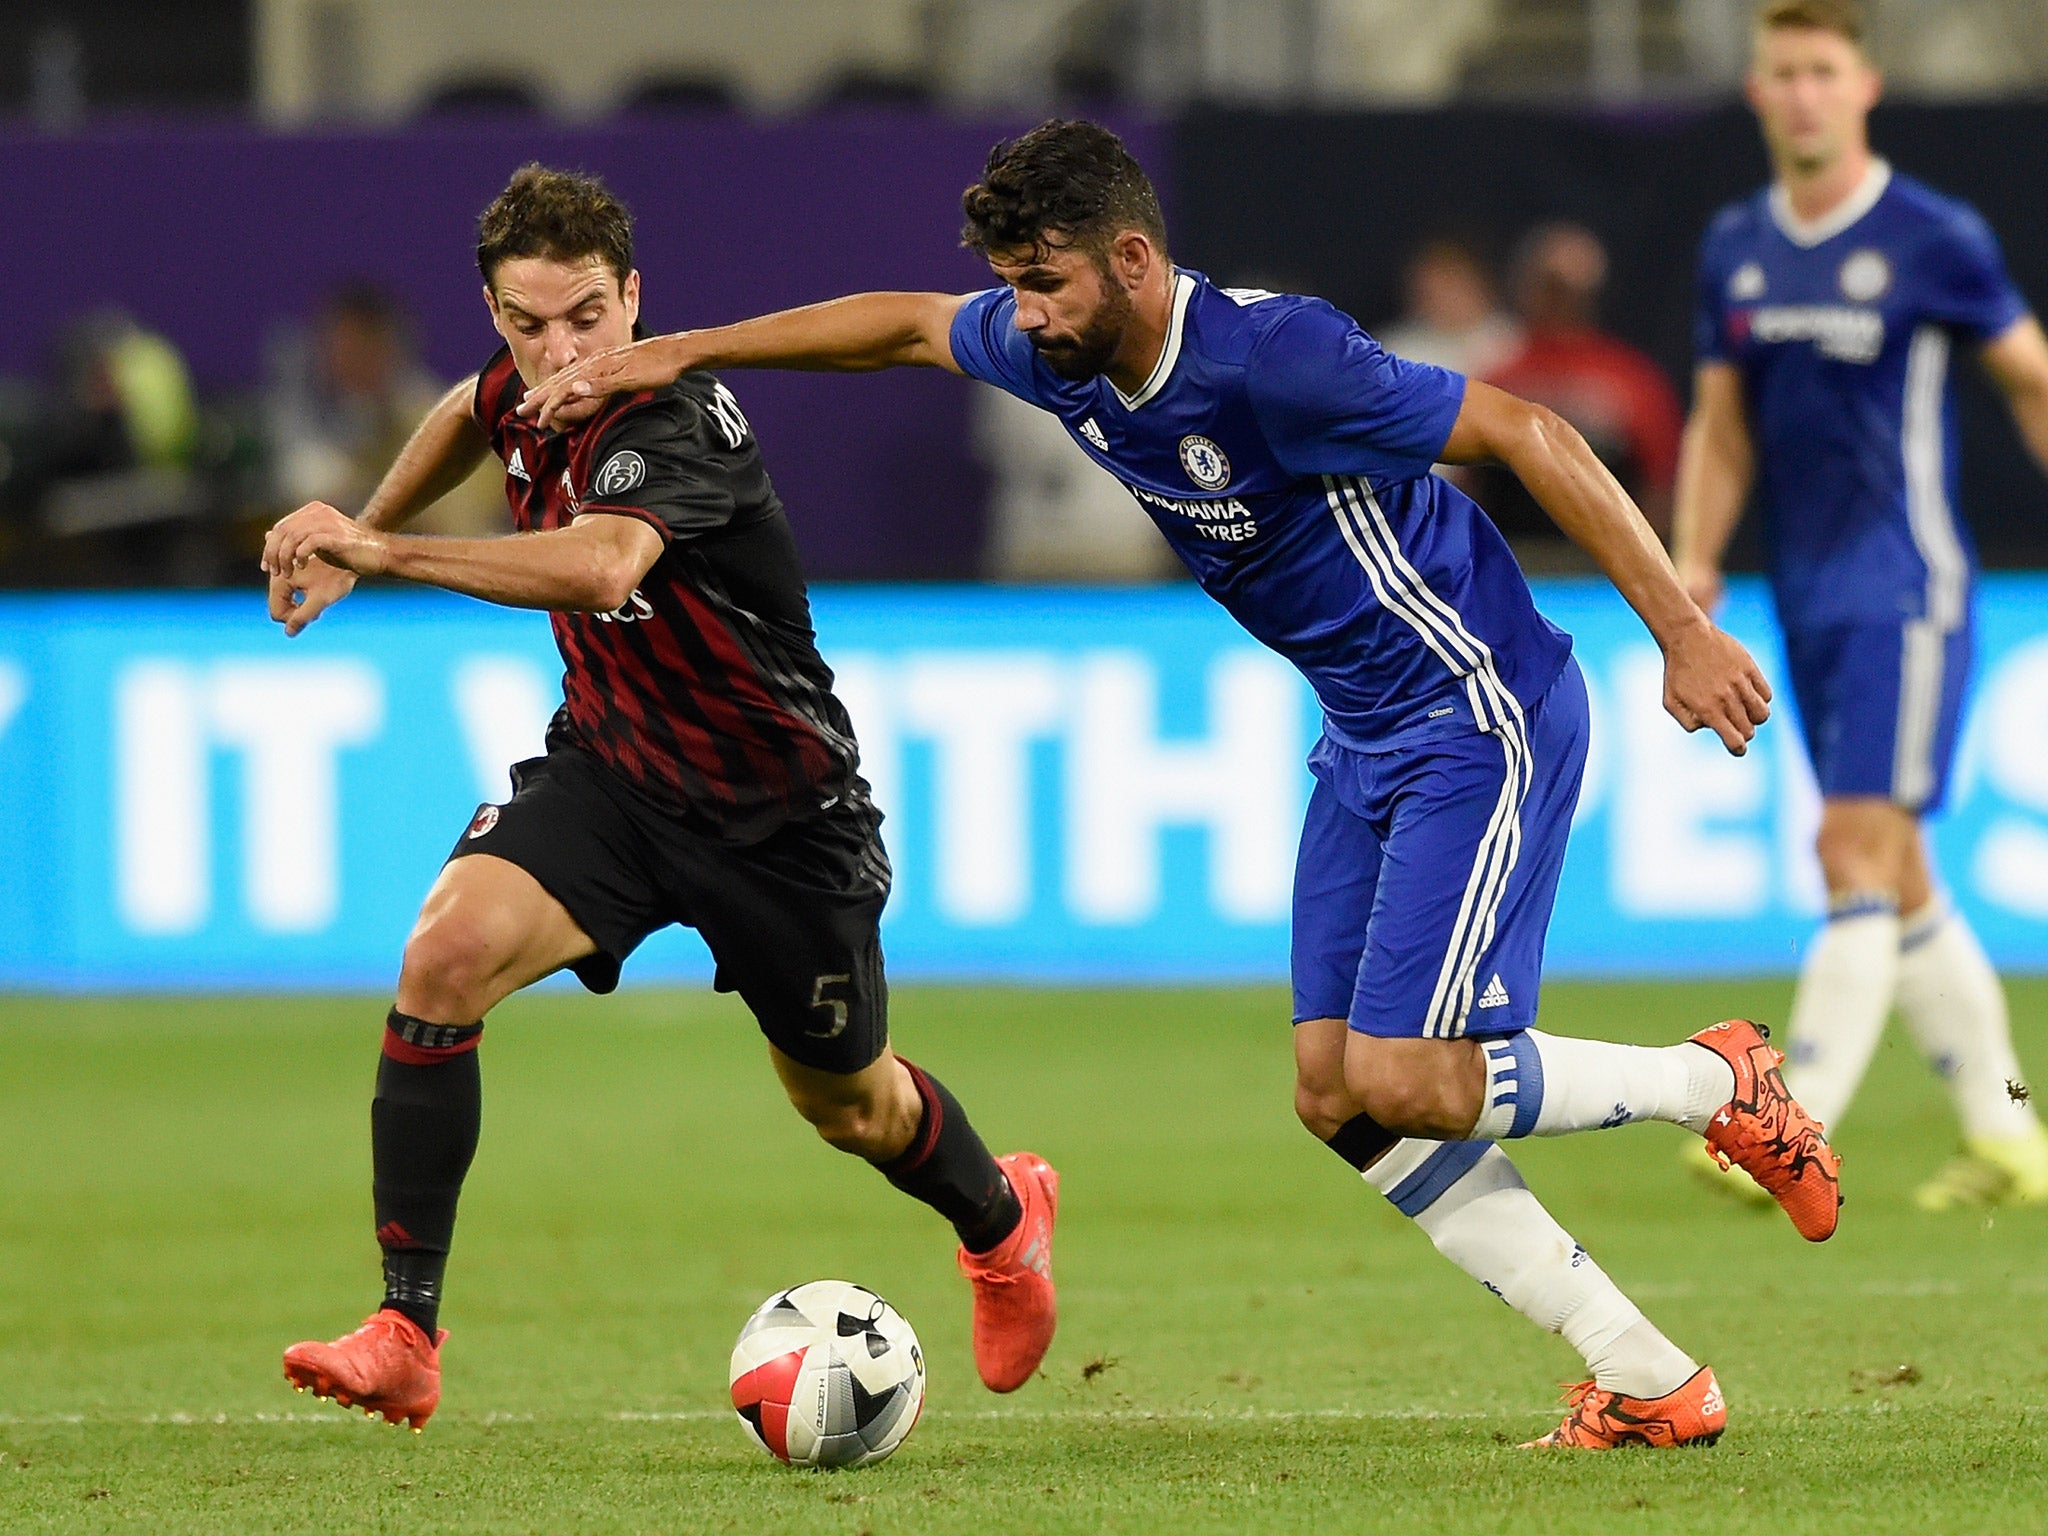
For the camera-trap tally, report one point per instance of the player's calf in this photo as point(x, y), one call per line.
point(424, 1124)
point(872, 1113)
point(1415, 1087)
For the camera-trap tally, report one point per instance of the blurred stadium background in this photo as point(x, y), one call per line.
point(242, 263)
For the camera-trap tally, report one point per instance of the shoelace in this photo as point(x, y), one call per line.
point(1008, 1274)
point(380, 1325)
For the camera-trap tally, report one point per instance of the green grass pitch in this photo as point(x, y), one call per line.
point(1250, 1339)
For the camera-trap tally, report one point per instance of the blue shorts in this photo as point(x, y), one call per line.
point(1880, 706)
point(1427, 873)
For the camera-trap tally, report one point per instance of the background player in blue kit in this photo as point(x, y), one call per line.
point(1830, 307)
point(1287, 458)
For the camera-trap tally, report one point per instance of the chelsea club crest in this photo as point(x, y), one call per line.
point(1865, 276)
point(1205, 463)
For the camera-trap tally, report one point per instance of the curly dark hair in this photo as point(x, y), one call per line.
point(562, 215)
point(1065, 183)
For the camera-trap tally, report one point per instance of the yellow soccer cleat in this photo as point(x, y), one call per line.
point(1991, 1170)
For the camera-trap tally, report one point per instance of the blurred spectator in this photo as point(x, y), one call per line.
point(1054, 514)
point(1610, 391)
point(1453, 316)
point(344, 397)
point(124, 401)
point(109, 446)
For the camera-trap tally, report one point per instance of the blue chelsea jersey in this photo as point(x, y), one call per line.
point(1287, 457)
point(1844, 332)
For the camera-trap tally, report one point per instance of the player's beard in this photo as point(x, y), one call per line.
point(1089, 354)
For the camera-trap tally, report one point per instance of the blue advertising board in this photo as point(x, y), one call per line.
point(1080, 785)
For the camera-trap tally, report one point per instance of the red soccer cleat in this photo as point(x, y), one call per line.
point(387, 1366)
point(1603, 1421)
point(1015, 1311)
point(1763, 1131)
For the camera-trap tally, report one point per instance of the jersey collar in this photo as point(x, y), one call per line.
point(1806, 234)
point(1183, 290)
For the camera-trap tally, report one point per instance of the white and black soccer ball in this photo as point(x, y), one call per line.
point(827, 1375)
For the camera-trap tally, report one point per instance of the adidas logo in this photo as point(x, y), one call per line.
point(517, 466)
point(1495, 995)
point(1711, 1404)
point(1035, 1257)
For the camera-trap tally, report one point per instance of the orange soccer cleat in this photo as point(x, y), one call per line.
point(1764, 1132)
point(387, 1366)
point(1602, 1421)
point(1015, 1310)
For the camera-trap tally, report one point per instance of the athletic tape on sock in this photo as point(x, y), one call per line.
point(1361, 1139)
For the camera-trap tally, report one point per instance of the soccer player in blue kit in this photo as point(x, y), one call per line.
point(1830, 305)
point(1287, 457)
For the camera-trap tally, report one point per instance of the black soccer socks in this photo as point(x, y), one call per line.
point(947, 1167)
point(424, 1124)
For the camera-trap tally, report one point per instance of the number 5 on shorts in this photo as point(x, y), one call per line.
point(823, 996)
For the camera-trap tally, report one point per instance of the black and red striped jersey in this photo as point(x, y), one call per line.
point(706, 690)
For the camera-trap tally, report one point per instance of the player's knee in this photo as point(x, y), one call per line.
point(447, 971)
point(1322, 1107)
point(1857, 857)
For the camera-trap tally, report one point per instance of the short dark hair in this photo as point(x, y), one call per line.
point(1844, 18)
point(563, 215)
point(1068, 178)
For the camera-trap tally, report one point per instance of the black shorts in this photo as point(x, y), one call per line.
point(792, 921)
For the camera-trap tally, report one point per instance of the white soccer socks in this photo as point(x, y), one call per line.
point(1553, 1085)
point(1472, 1203)
point(1845, 992)
point(1952, 1003)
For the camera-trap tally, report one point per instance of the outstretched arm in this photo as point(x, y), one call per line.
point(438, 457)
point(1709, 679)
point(591, 566)
point(2018, 362)
point(1716, 463)
point(857, 334)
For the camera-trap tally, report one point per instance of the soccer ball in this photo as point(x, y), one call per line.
point(827, 1375)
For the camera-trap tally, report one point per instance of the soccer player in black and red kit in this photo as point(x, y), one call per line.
point(700, 771)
